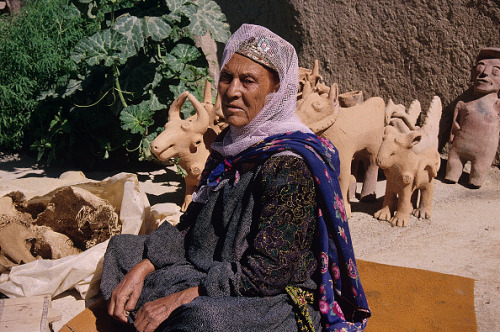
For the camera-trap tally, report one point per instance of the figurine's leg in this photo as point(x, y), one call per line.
point(354, 173)
point(370, 182)
point(454, 166)
point(402, 216)
point(425, 205)
point(345, 179)
point(479, 170)
point(389, 204)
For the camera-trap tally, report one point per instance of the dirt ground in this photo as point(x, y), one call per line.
point(462, 237)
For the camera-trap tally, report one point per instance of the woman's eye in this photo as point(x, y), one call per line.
point(226, 78)
point(496, 71)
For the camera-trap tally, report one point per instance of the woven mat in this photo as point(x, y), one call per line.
point(406, 299)
point(401, 299)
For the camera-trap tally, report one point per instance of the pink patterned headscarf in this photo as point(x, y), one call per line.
point(278, 114)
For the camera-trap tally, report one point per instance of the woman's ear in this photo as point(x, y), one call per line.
point(276, 79)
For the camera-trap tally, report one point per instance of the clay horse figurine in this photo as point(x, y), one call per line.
point(476, 122)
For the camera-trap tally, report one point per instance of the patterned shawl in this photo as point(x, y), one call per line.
point(342, 301)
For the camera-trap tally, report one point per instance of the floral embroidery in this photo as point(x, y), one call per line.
point(323, 307)
point(352, 271)
point(342, 234)
point(337, 310)
point(324, 262)
point(339, 204)
point(300, 299)
point(335, 271)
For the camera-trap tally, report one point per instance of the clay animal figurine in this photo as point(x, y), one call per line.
point(405, 121)
point(476, 122)
point(315, 81)
point(355, 131)
point(406, 172)
point(189, 139)
point(429, 129)
point(400, 118)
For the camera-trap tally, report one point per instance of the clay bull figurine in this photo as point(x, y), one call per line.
point(189, 139)
point(406, 172)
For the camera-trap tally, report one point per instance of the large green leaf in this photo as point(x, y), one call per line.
point(158, 28)
point(174, 65)
point(180, 8)
point(138, 30)
point(105, 45)
point(137, 118)
point(209, 16)
point(155, 104)
point(185, 52)
point(135, 32)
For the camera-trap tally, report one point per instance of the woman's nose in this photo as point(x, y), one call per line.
point(234, 89)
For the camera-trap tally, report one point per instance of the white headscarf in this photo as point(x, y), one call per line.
point(278, 114)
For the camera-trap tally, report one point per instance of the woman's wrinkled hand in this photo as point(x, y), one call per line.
point(125, 295)
point(153, 313)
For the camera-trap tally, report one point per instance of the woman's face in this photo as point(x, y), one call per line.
point(243, 87)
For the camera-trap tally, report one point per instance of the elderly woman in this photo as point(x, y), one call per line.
point(264, 246)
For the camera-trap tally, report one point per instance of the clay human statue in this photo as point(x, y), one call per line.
point(476, 122)
point(406, 172)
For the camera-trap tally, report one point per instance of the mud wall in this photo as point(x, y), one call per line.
point(399, 49)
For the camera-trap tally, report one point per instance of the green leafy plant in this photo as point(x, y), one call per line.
point(113, 102)
point(143, 56)
point(35, 48)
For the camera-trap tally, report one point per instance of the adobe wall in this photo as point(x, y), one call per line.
point(396, 49)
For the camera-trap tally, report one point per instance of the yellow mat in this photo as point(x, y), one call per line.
point(401, 299)
point(405, 299)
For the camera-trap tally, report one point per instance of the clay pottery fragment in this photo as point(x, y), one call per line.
point(351, 98)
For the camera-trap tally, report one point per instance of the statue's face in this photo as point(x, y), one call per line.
point(486, 76)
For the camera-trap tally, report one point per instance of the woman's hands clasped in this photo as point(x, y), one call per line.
point(125, 295)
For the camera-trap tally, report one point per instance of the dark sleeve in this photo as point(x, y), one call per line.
point(165, 245)
point(281, 253)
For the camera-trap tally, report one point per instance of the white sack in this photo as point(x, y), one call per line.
point(82, 271)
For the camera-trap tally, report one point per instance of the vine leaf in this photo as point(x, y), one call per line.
point(179, 8)
point(208, 16)
point(158, 28)
point(137, 30)
point(132, 28)
point(104, 45)
point(137, 118)
point(155, 104)
point(174, 65)
point(185, 52)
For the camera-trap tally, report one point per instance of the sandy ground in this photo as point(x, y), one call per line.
point(462, 237)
